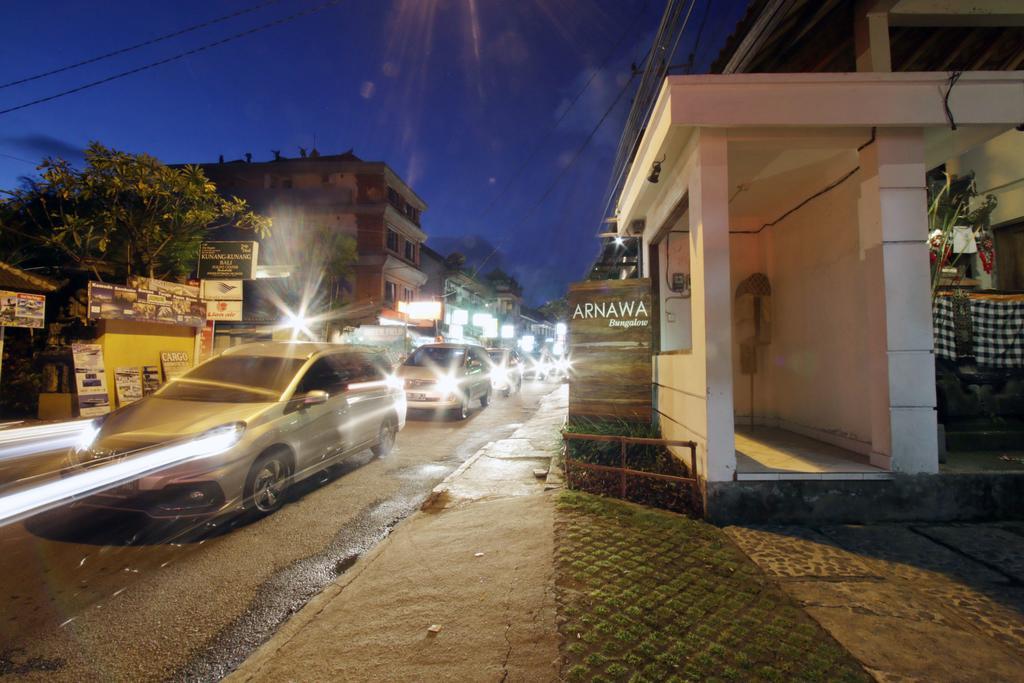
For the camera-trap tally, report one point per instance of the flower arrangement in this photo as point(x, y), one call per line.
point(949, 210)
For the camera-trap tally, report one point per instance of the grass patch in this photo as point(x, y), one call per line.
point(663, 597)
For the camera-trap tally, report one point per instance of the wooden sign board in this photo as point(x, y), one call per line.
point(610, 346)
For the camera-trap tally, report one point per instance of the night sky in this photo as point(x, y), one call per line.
point(452, 94)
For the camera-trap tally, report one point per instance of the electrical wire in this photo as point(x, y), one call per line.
point(565, 169)
point(953, 78)
point(147, 43)
point(642, 108)
point(540, 144)
point(173, 58)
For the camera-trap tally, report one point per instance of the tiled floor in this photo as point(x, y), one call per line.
point(770, 453)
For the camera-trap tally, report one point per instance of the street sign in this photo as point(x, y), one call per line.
point(221, 290)
point(228, 260)
point(224, 310)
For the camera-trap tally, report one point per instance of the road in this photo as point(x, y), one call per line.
point(96, 596)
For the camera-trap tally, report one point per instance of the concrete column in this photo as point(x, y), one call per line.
point(893, 218)
point(711, 296)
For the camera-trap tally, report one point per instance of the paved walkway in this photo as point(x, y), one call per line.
point(911, 602)
point(462, 591)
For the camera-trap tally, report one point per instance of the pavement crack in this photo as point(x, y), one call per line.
point(508, 624)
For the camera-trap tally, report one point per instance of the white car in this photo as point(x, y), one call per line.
point(506, 371)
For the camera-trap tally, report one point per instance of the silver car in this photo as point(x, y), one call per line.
point(298, 408)
point(447, 377)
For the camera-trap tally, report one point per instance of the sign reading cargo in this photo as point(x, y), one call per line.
point(228, 260)
point(610, 347)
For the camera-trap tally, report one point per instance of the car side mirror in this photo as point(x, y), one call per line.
point(310, 398)
point(314, 398)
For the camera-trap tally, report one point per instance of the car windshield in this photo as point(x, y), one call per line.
point(497, 357)
point(235, 379)
point(436, 357)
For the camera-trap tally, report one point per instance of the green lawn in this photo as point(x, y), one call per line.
point(646, 595)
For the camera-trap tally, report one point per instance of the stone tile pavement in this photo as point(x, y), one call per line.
point(912, 602)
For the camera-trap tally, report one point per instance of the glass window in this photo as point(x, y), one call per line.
point(410, 250)
point(323, 375)
point(235, 379)
point(448, 357)
point(389, 291)
point(392, 240)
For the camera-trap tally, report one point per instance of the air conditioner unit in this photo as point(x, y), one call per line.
point(636, 228)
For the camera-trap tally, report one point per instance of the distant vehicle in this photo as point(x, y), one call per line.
point(506, 371)
point(447, 377)
point(297, 408)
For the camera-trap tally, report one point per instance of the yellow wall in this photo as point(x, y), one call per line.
point(134, 344)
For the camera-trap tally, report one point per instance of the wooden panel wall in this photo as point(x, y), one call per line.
point(610, 345)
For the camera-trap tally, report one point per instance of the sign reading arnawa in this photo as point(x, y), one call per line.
point(610, 345)
point(632, 313)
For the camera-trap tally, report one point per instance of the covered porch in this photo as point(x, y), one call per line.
point(786, 237)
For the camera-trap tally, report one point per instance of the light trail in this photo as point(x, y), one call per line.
point(17, 506)
point(22, 441)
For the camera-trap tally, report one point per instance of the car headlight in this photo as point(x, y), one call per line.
point(89, 433)
point(447, 385)
point(498, 375)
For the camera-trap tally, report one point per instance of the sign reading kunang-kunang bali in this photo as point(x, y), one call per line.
point(228, 260)
point(610, 347)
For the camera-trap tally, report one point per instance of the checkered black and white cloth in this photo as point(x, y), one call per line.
point(998, 331)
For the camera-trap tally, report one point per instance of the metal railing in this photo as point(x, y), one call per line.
point(623, 470)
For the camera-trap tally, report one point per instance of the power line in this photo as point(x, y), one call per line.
point(565, 169)
point(650, 85)
point(173, 58)
point(540, 143)
point(152, 41)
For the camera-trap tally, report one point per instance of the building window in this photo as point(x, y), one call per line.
point(410, 251)
point(286, 183)
point(406, 294)
point(389, 291)
point(392, 240)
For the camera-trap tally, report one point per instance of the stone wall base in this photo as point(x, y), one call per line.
point(922, 497)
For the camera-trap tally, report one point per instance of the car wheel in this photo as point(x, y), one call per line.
point(506, 392)
point(267, 483)
point(519, 385)
point(385, 438)
point(485, 399)
point(464, 409)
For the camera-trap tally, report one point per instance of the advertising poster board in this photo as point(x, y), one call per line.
point(128, 384)
point(176, 363)
point(90, 380)
point(228, 260)
point(150, 379)
point(114, 302)
point(18, 309)
point(163, 286)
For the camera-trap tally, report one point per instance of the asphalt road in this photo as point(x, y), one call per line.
point(95, 596)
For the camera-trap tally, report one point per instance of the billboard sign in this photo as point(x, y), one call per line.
point(228, 260)
point(114, 302)
point(18, 309)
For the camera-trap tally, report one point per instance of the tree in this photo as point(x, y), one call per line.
point(121, 214)
point(556, 309)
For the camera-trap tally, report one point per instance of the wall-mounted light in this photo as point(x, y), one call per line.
point(619, 241)
point(655, 171)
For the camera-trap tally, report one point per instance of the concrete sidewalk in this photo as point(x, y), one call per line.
point(462, 590)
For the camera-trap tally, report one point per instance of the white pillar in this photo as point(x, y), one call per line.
point(893, 217)
point(711, 296)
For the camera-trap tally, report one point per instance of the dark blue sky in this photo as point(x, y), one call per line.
point(453, 94)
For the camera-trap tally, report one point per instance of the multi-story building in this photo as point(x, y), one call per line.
point(311, 197)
